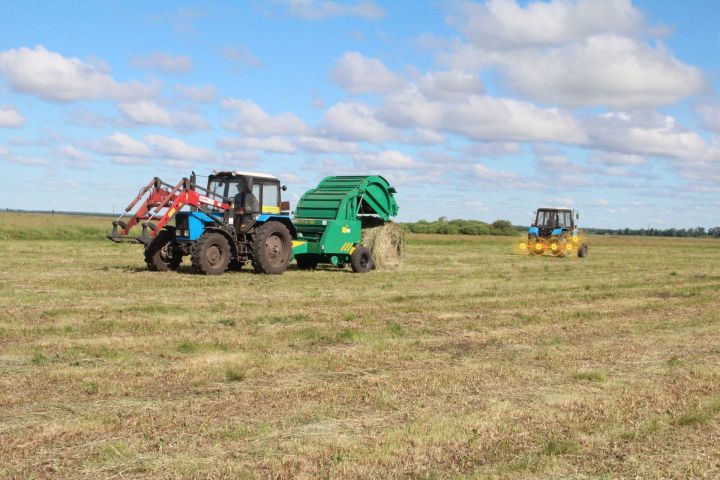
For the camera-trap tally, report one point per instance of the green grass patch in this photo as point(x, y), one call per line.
point(590, 376)
point(699, 415)
point(555, 446)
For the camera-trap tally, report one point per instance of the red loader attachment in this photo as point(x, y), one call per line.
point(159, 202)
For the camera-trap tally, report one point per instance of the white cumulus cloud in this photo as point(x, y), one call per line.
point(357, 73)
point(572, 53)
point(608, 70)
point(482, 118)
point(355, 122)
point(648, 133)
point(119, 144)
point(51, 76)
point(10, 117)
point(203, 94)
point(505, 23)
point(146, 112)
point(254, 121)
point(174, 148)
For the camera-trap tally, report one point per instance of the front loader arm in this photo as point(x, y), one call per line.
point(161, 202)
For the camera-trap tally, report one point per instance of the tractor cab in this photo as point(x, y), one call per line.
point(249, 194)
point(553, 221)
point(233, 198)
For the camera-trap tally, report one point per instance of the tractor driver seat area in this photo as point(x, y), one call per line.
point(246, 205)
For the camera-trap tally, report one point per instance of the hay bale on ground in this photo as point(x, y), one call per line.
point(386, 242)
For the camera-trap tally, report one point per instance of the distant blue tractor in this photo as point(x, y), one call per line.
point(554, 231)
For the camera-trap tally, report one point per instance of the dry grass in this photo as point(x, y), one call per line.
point(467, 362)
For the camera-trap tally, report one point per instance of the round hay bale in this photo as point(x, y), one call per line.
point(386, 242)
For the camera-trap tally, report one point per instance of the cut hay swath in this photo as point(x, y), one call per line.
point(386, 243)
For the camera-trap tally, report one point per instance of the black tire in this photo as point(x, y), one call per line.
point(306, 262)
point(583, 251)
point(272, 248)
point(361, 260)
point(162, 253)
point(211, 254)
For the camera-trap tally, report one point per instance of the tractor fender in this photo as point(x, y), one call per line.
point(230, 239)
point(284, 219)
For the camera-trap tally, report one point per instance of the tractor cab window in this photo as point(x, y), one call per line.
point(252, 200)
point(565, 219)
point(217, 188)
point(270, 194)
point(546, 218)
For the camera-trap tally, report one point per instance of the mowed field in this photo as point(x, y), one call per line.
point(471, 361)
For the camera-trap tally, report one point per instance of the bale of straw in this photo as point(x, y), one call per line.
point(386, 242)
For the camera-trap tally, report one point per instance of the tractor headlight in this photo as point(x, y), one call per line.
point(538, 246)
point(523, 246)
point(575, 239)
point(553, 246)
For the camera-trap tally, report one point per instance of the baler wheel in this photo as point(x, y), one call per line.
point(272, 248)
point(583, 251)
point(361, 260)
point(306, 262)
point(211, 254)
point(162, 254)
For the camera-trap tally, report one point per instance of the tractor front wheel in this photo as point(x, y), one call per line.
point(272, 248)
point(162, 253)
point(211, 254)
point(360, 260)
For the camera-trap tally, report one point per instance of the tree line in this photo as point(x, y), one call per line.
point(697, 232)
point(503, 227)
point(462, 227)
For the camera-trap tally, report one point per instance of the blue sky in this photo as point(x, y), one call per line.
point(479, 110)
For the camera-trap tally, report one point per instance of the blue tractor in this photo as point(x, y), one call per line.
point(554, 231)
point(238, 218)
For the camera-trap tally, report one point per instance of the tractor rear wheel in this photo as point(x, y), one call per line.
point(306, 262)
point(583, 251)
point(211, 254)
point(163, 254)
point(360, 260)
point(272, 248)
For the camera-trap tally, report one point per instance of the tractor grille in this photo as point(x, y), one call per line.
point(545, 231)
point(182, 222)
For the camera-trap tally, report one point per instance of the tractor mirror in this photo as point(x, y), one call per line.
point(284, 188)
point(577, 216)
